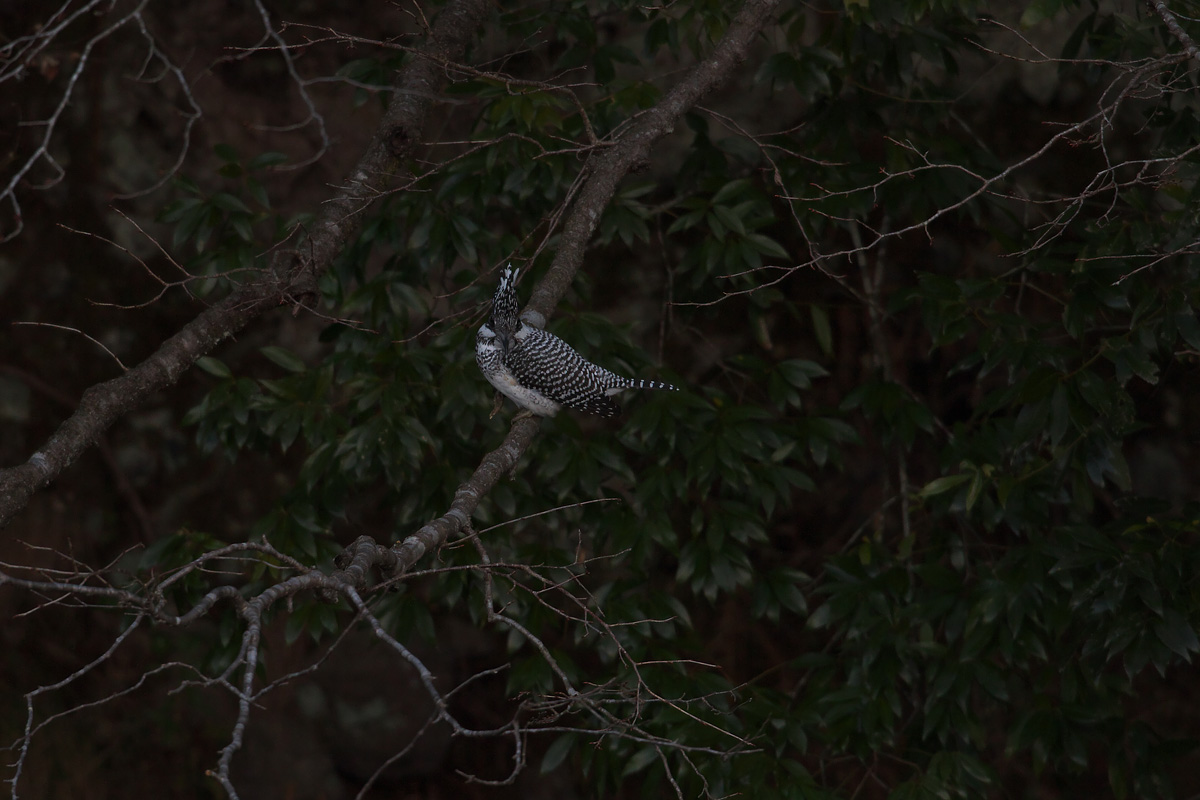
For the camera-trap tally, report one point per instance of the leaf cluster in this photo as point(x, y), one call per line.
point(899, 480)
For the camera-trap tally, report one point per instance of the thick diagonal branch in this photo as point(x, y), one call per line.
point(289, 275)
point(1172, 22)
point(633, 148)
point(606, 172)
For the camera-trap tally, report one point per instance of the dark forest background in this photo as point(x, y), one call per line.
point(922, 522)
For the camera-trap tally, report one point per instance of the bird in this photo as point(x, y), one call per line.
point(539, 371)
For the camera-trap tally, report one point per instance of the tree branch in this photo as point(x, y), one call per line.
point(289, 276)
point(495, 465)
point(631, 149)
point(1160, 7)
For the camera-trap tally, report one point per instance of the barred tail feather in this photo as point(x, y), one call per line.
point(647, 384)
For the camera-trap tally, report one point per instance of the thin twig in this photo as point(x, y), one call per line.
point(91, 339)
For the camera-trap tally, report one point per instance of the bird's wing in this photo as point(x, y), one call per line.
point(544, 362)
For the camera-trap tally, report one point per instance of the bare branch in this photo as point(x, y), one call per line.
point(1160, 7)
point(605, 173)
point(8, 193)
point(30, 728)
point(91, 339)
point(288, 277)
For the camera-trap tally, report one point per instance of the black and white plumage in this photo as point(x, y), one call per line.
point(539, 371)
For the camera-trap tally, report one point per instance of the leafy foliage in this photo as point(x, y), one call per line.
point(986, 586)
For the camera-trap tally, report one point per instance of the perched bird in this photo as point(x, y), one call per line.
point(539, 371)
